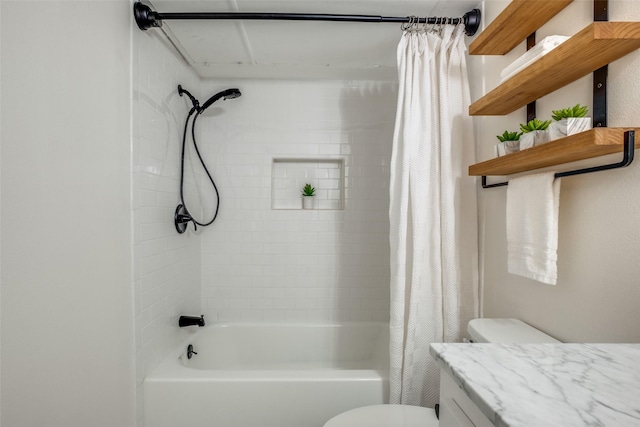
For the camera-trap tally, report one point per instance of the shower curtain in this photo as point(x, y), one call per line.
point(433, 234)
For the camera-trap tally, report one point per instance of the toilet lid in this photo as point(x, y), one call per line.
point(385, 416)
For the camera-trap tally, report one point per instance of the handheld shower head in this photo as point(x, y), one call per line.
point(232, 94)
point(182, 216)
point(226, 94)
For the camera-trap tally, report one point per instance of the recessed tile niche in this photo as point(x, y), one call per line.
point(288, 176)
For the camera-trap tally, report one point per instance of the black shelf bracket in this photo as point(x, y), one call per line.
point(627, 158)
point(600, 112)
point(531, 107)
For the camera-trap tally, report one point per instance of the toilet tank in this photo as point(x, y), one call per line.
point(506, 331)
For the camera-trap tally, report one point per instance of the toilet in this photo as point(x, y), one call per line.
point(481, 331)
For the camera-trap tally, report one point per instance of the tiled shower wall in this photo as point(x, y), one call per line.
point(264, 264)
point(166, 265)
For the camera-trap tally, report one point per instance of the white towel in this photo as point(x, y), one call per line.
point(545, 46)
point(532, 226)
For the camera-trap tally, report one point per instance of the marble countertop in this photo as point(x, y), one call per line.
point(530, 385)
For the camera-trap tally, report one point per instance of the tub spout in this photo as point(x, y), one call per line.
point(191, 321)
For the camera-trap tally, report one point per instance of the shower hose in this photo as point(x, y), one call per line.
point(186, 214)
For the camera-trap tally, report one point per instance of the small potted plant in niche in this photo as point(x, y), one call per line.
point(308, 192)
point(569, 121)
point(534, 133)
point(509, 143)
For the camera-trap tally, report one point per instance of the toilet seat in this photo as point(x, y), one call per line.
point(385, 416)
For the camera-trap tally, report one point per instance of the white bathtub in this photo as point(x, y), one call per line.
point(269, 375)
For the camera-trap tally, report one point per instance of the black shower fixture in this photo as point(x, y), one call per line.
point(225, 94)
point(182, 217)
point(195, 102)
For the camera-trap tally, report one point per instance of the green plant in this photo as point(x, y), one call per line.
point(575, 111)
point(509, 136)
point(534, 125)
point(308, 190)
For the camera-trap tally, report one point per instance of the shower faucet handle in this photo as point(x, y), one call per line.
point(181, 218)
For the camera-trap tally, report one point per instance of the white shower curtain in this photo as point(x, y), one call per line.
point(433, 235)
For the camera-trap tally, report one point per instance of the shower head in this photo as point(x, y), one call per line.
point(225, 94)
point(231, 94)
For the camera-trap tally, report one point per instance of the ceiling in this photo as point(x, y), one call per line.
point(296, 49)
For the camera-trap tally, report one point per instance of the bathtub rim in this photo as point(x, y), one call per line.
point(171, 368)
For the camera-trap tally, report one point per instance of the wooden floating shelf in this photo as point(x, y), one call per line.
point(585, 145)
point(519, 19)
point(595, 46)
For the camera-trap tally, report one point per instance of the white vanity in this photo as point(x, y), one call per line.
point(531, 385)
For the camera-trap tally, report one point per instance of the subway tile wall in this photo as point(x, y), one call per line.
point(166, 265)
point(294, 265)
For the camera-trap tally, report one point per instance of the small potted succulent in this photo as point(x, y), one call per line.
point(308, 192)
point(569, 121)
point(534, 133)
point(509, 143)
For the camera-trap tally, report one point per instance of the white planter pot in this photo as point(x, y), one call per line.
point(507, 147)
point(566, 127)
point(307, 202)
point(532, 139)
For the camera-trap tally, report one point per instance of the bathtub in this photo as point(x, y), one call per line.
point(269, 375)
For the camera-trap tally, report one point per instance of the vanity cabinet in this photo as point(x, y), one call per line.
point(456, 409)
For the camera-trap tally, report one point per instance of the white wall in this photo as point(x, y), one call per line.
point(166, 264)
point(67, 336)
point(596, 298)
point(264, 264)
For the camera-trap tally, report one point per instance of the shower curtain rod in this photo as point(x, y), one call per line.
point(147, 18)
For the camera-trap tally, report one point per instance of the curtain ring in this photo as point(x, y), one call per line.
point(425, 25)
point(406, 26)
